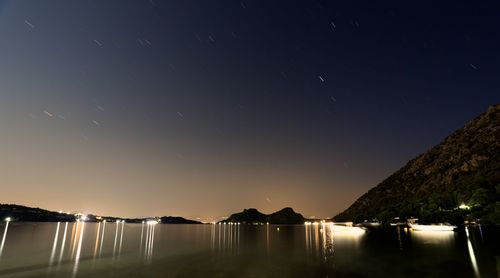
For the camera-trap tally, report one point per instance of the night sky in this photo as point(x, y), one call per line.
point(203, 108)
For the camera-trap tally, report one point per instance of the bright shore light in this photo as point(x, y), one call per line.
point(346, 229)
point(464, 206)
point(152, 222)
point(8, 219)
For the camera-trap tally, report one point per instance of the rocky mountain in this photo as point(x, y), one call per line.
point(457, 179)
point(253, 216)
point(286, 216)
point(177, 220)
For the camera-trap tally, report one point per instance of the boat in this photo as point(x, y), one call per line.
point(370, 224)
point(397, 221)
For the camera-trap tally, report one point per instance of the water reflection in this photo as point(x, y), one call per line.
point(63, 243)
point(79, 237)
point(72, 240)
point(472, 254)
point(149, 241)
point(3, 237)
point(434, 237)
point(102, 237)
point(117, 224)
point(121, 240)
point(400, 238)
point(87, 250)
point(54, 245)
point(97, 240)
point(212, 235)
point(321, 238)
point(228, 238)
point(142, 235)
point(267, 237)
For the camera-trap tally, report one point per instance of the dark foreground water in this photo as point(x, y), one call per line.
point(135, 250)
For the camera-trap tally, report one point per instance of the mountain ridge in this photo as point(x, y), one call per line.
point(252, 216)
point(455, 180)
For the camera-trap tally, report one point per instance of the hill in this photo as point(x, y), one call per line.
point(455, 180)
point(27, 214)
point(177, 220)
point(253, 216)
point(20, 213)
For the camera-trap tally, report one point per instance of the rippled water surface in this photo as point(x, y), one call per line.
point(147, 250)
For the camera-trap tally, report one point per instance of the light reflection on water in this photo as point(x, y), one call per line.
point(150, 237)
point(102, 237)
point(79, 238)
point(225, 238)
point(472, 254)
point(97, 240)
point(434, 237)
point(61, 253)
point(80, 248)
point(54, 245)
point(3, 238)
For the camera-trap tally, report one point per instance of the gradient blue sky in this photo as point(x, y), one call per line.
point(203, 108)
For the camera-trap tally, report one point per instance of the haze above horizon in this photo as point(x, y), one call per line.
point(201, 109)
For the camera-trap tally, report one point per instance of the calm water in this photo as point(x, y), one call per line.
point(135, 250)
